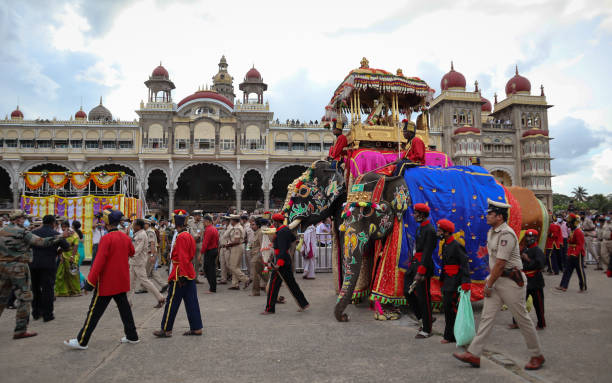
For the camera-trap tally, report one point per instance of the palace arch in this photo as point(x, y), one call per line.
point(281, 179)
point(252, 190)
point(502, 176)
point(205, 186)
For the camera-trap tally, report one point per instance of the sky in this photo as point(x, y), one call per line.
point(56, 55)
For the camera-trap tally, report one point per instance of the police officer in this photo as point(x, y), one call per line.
point(196, 229)
point(15, 254)
point(421, 270)
point(504, 285)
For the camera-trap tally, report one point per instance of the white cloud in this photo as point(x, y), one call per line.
point(302, 48)
point(602, 166)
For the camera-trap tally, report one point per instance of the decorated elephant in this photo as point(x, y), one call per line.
point(376, 234)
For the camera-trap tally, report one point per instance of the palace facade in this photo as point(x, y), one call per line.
point(212, 150)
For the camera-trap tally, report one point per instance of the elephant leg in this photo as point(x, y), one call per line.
point(362, 288)
point(336, 266)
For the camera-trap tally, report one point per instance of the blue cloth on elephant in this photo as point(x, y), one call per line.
point(457, 193)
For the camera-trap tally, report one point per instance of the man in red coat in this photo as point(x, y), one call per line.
point(416, 152)
point(109, 278)
point(575, 256)
point(181, 282)
point(554, 242)
point(338, 150)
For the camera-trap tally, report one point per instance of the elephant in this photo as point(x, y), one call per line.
point(373, 226)
point(320, 192)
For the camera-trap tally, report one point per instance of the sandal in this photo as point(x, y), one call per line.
point(162, 334)
point(193, 332)
point(159, 304)
point(280, 300)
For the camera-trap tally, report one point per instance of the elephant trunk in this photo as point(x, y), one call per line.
point(352, 267)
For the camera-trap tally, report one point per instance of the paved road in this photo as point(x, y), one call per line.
point(242, 346)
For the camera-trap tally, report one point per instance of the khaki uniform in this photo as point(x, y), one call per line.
point(154, 258)
point(257, 262)
point(196, 229)
point(502, 244)
point(590, 237)
point(15, 254)
point(223, 257)
point(138, 266)
point(235, 234)
point(606, 242)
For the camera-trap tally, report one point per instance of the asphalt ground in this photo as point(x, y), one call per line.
point(239, 345)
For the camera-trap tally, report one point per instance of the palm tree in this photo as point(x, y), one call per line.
point(580, 193)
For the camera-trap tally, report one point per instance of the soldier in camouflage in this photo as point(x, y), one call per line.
point(15, 254)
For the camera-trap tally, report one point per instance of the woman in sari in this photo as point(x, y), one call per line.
point(67, 279)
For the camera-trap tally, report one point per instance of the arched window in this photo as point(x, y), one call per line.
point(536, 121)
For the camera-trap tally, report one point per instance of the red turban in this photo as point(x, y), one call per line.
point(532, 232)
point(421, 207)
point(446, 225)
point(278, 217)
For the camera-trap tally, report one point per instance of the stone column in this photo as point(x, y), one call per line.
point(170, 202)
point(16, 196)
point(238, 199)
point(266, 199)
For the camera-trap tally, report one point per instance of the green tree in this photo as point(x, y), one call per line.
point(599, 202)
point(560, 201)
point(580, 193)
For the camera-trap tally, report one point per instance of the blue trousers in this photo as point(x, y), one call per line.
point(176, 293)
point(553, 260)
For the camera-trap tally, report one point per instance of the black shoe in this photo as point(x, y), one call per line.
point(49, 318)
point(141, 291)
point(164, 289)
point(35, 316)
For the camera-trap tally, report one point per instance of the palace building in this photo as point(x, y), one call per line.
point(509, 138)
point(212, 147)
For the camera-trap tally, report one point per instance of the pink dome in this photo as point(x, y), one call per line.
point(486, 107)
point(452, 79)
point(518, 84)
point(160, 71)
point(253, 74)
point(80, 114)
point(206, 94)
point(16, 113)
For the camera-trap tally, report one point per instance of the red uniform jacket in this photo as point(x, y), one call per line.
point(110, 272)
point(335, 151)
point(555, 238)
point(182, 254)
point(416, 153)
point(210, 240)
point(575, 243)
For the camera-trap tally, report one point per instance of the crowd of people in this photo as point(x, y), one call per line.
point(132, 256)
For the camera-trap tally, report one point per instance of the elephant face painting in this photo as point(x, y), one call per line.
point(311, 196)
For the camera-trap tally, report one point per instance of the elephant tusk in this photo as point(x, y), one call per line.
point(294, 224)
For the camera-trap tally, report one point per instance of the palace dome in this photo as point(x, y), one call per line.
point(486, 107)
point(467, 129)
point(16, 113)
point(80, 114)
point(100, 113)
point(253, 74)
point(453, 80)
point(204, 94)
point(160, 71)
point(518, 84)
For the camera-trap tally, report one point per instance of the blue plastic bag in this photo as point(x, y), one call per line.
point(464, 323)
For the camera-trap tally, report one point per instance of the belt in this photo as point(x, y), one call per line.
point(531, 273)
point(451, 270)
point(418, 256)
point(11, 259)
